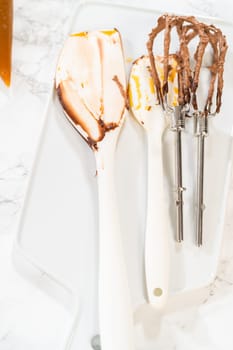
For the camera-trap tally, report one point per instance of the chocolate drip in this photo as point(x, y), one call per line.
point(188, 27)
point(122, 90)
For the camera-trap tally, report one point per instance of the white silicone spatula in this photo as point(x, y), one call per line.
point(149, 114)
point(91, 85)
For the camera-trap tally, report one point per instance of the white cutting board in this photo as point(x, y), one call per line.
point(58, 227)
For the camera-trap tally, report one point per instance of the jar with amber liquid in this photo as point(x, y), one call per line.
point(6, 29)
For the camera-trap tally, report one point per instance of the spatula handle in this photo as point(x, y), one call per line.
point(115, 312)
point(156, 238)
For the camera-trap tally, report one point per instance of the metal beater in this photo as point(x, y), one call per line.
point(201, 131)
point(201, 124)
point(176, 114)
point(188, 28)
point(177, 124)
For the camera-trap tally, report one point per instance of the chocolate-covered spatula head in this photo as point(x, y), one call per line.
point(91, 84)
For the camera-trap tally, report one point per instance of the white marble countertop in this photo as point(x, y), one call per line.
point(29, 318)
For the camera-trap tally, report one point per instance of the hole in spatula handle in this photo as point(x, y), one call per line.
point(158, 292)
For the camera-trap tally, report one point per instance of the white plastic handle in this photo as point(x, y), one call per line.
point(156, 238)
point(115, 311)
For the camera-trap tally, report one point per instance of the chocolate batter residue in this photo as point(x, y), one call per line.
point(187, 28)
point(101, 126)
point(122, 90)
